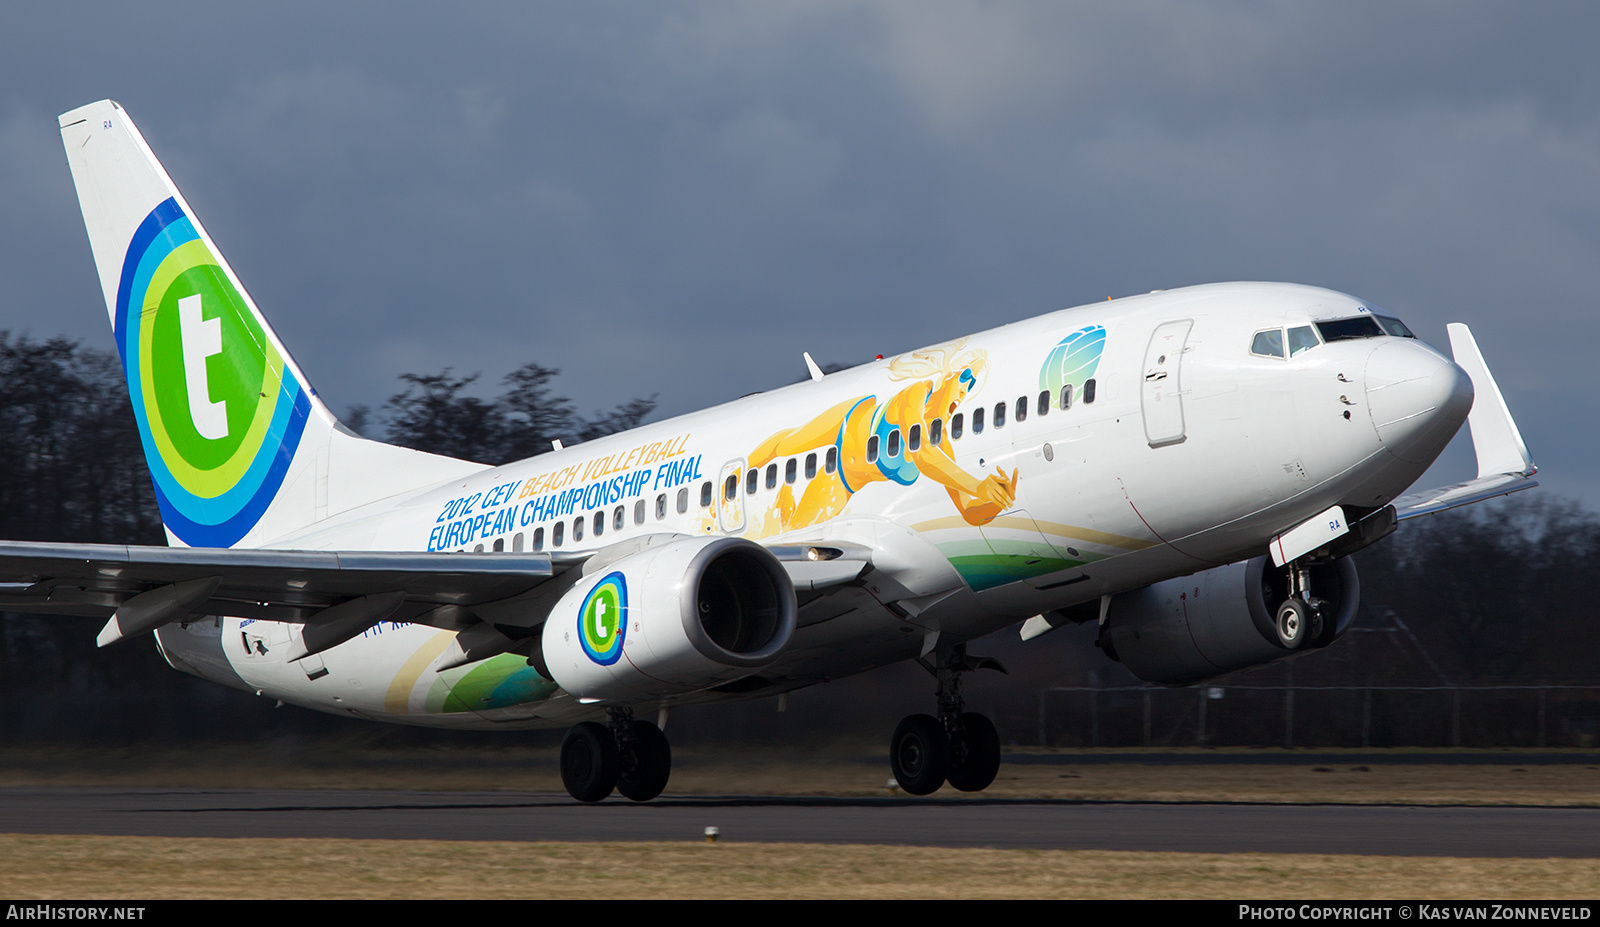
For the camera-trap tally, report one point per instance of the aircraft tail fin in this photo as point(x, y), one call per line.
point(240, 448)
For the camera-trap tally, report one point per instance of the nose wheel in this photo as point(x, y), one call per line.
point(1300, 620)
point(960, 747)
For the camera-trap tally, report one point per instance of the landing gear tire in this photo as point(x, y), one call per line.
point(974, 753)
point(1324, 629)
point(589, 763)
point(1296, 623)
point(919, 754)
point(646, 764)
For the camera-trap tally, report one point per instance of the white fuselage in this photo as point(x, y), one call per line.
point(1179, 463)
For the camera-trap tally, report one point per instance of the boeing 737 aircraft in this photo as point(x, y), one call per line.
point(1188, 469)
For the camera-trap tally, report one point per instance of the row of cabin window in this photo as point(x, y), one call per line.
point(913, 440)
point(618, 518)
point(791, 468)
point(830, 463)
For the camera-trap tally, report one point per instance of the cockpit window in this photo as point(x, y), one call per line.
point(1268, 343)
point(1302, 338)
point(1394, 326)
point(1363, 326)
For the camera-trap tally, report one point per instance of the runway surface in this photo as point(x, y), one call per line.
point(1003, 823)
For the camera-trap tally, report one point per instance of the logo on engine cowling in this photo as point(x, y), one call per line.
point(603, 619)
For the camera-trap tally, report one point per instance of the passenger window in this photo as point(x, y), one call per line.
point(499, 545)
point(791, 470)
point(516, 543)
point(977, 421)
point(705, 494)
point(558, 533)
point(683, 500)
point(811, 466)
point(894, 443)
point(1303, 338)
point(1088, 390)
point(577, 529)
point(999, 415)
point(599, 523)
point(1066, 396)
point(830, 462)
point(478, 549)
point(772, 476)
point(730, 487)
point(872, 449)
point(1268, 343)
point(618, 519)
point(538, 538)
point(956, 423)
point(750, 482)
point(914, 439)
point(661, 502)
point(1044, 402)
point(1022, 409)
point(638, 512)
point(936, 432)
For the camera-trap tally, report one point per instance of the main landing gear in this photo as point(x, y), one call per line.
point(959, 747)
point(628, 756)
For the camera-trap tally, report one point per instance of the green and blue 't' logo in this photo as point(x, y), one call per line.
point(219, 412)
point(603, 619)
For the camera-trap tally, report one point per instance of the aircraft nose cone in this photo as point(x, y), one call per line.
point(1417, 398)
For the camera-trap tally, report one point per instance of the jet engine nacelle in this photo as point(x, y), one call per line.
point(1188, 629)
point(679, 617)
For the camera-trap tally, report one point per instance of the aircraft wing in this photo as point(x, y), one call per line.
point(141, 588)
point(1504, 464)
point(336, 594)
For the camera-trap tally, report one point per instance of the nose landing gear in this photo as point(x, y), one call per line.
point(628, 756)
point(960, 747)
point(1301, 619)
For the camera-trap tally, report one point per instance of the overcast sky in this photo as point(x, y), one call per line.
point(678, 198)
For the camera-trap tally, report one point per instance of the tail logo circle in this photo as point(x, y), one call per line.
point(219, 411)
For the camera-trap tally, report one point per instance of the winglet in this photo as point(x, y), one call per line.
point(1504, 464)
point(811, 365)
point(1495, 437)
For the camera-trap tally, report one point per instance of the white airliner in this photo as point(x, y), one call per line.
point(1190, 469)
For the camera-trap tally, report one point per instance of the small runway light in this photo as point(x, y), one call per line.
point(712, 834)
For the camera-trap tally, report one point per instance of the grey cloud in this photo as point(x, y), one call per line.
point(679, 198)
